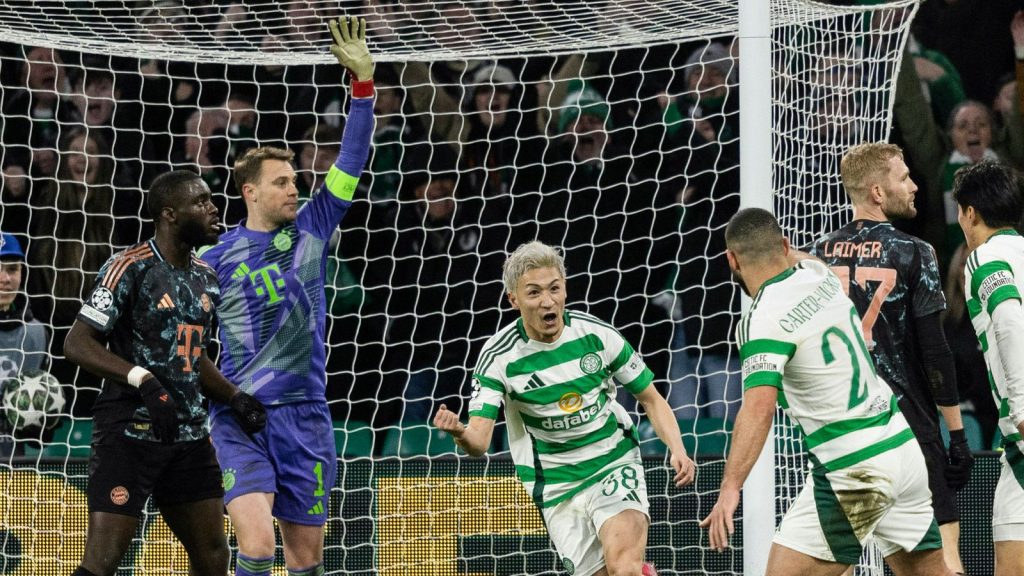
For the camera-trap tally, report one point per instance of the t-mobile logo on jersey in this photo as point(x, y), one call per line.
point(268, 282)
point(186, 350)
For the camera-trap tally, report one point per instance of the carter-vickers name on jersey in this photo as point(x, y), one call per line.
point(810, 305)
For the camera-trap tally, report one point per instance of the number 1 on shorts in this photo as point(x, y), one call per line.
point(318, 470)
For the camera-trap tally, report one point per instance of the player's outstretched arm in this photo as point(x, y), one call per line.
point(349, 47)
point(752, 426)
point(474, 438)
point(248, 411)
point(665, 425)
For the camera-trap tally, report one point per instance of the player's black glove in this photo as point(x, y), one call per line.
point(163, 412)
point(958, 470)
point(251, 415)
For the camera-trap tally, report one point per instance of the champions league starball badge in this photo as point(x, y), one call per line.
point(102, 299)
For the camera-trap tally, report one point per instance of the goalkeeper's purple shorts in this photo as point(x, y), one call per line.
point(292, 458)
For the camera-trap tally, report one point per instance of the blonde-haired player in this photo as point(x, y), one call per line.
point(575, 448)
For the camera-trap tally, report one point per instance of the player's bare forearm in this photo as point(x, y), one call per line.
point(476, 436)
point(212, 383)
point(86, 347)
point(473, 438)
point(662, 419)
point(748, 436)
point(951, 414)
point(665, 425)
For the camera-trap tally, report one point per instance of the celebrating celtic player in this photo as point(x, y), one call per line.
point(989, 208)
point(575, 447)
point(272, 324)
point(801, 345)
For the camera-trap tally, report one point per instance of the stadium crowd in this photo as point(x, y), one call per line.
point(628, 160)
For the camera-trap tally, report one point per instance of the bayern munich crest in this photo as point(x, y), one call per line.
point(102, 299)
point(590, 363)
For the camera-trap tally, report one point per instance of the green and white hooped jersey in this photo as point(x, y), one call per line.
point(803, 336)
point(990, 281)
point(565, 429)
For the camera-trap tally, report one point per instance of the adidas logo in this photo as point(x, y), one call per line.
point(165, 302)
point(317, 508)
point(240, 272)
point(631, 496)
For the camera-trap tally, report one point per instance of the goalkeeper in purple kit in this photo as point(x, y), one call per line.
point(272, 318)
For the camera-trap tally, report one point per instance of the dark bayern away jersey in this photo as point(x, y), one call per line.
point(892, 278)
point(158, 317)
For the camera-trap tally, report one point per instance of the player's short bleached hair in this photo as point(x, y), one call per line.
point(530, 256)
point(866, 164)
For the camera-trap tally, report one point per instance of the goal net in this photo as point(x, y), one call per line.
point(609, 128)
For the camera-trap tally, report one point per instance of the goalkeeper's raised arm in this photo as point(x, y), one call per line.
point(349, 47)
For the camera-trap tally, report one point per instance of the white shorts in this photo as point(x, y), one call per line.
point(1008, 505)
point(574, 525)
point(886, 497)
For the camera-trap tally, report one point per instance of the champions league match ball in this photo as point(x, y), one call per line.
point(32, 402)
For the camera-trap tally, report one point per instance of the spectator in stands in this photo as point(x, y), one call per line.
point(940, 80)
point(283, 98)
point(971, 374)
point(972, 34)
point(396, 24)
point(317, 150)
point(486, 124)
point(437, 316)
point(165, 19)
point(1008, 105)
point(610, 222)
point(1006, 101)
point(392, 132)
point(24, 341)
point(703, 173)
point(204, 147)
point(933, 156)
point(502, 148)
point(78, 221)
point(303, 22)
point(100, 107)
point(712, 93)
point(31, 124)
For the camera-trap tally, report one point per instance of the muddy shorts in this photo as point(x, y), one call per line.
point(885, 497)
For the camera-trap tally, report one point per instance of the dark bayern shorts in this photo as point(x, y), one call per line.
point(124, 472)
point(943, 497)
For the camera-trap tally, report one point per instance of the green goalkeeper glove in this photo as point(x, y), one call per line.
point(349, 46)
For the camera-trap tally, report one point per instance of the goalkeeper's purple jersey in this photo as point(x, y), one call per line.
point(272, 312)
